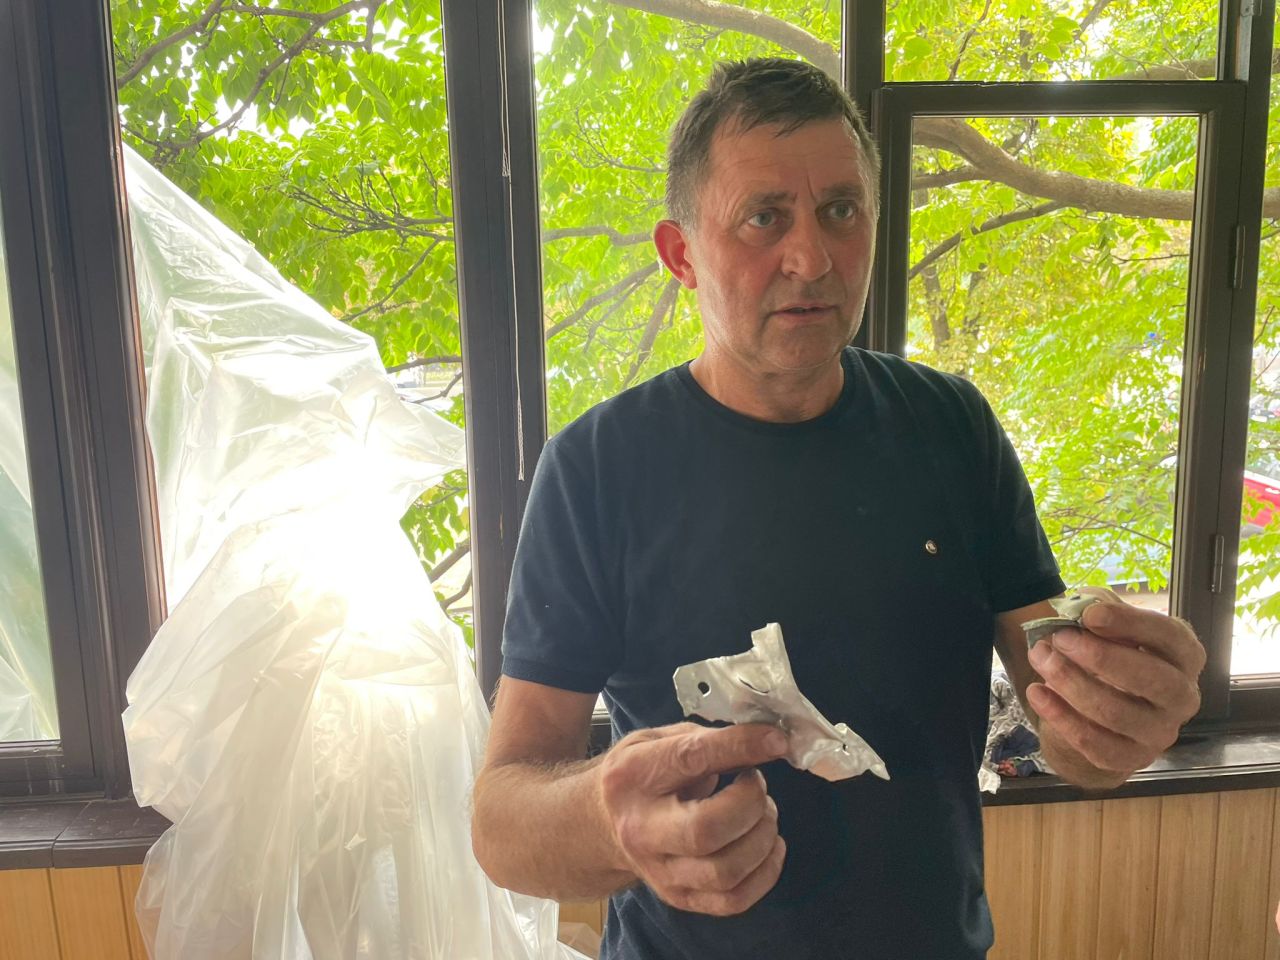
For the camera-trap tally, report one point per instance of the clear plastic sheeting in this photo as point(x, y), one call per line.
point(27, 707)
point(307, 716)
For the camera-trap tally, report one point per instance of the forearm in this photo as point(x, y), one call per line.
point(541, 830)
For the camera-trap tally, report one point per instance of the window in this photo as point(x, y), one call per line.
point(74, 351)
point(989, 40)
point(1255, 650)
point(321, 138)
point(28, 710)
point(1128, 204)
point(1070, 320)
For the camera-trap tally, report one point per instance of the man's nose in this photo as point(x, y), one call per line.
point(804, 255)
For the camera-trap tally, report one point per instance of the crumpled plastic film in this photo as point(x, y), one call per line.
point(28, 710)
point(307, 716)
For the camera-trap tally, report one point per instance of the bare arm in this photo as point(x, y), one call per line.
point(539, 825)
point(1108, 699)
point(548, 823)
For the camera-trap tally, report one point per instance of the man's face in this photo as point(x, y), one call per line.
point(781, 252)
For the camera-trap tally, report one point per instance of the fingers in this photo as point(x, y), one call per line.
point(685, 753)
point(1105, 749)
point(1169, 638)
point(727, 866)
point(1127, 669)
point(706, 827)
point(710, 852)
point(1119, 690)
point(746, 894)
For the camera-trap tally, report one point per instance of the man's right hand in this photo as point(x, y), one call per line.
point(714, 853)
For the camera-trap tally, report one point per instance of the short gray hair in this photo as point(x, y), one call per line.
point(753, 93)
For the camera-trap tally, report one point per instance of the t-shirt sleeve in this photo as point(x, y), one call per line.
point(561, 625)
point(1021, 569)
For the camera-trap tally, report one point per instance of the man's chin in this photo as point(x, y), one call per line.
point(801, 354)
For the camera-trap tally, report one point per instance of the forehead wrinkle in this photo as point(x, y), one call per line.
point(768, 166)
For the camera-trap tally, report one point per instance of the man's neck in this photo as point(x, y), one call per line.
point(783, 397)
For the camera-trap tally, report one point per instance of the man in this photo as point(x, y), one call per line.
point(870, 506)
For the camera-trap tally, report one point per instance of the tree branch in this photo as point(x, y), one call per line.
point(617, 238)
point(945, 178)
point(150, 53)
point(379, 304)
point(938, 322)
point(964, 42)
point(369, 212)
point(1091, 16)
point(956, 136)
point(712, 13)
point(446, 603)
point(995, 223)
point(624, 287)
point(318, 23)
point(665, 307)
point(423, 362)
point(452, 557)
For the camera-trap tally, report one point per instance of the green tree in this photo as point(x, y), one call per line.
point(1049, 255)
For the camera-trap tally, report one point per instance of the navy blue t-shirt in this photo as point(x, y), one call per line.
point(883, 536)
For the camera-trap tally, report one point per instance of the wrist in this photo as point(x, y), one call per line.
point(615, 856)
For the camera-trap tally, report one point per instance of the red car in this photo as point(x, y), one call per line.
point(1262, 497)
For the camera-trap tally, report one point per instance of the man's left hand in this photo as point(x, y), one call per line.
point(1118, 691)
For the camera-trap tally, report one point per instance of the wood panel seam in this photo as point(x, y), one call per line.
point(53, 908)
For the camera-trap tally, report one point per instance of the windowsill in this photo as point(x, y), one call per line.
point(1198, 763)
point(88, 832)
point(76, 833)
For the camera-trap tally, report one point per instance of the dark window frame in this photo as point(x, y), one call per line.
point(81, 359)
point(80, 368)
point(1222, 298)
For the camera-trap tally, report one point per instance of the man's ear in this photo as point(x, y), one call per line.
point(673, 249)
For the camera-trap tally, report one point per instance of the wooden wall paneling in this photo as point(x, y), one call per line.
point(90, 913)
point(1071, 835)
point(130, 878)
point(1127, 878)
point(1184, 878)
point(1241, 875)
point(28, 929)
point(1273, 936)
point(1012, 858)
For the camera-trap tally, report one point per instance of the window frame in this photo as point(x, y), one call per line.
point(80, 370)
point(1233, 110)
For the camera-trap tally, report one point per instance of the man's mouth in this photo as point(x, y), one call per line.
point(801, 310)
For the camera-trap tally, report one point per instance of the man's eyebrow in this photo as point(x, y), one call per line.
point(844, 189)
point(768, 198)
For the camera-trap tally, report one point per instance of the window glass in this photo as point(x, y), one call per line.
point(611, 82)
point(1068, 310)
point(319, 134)
point(1256, 647)
point(1050, 40)
point(27, 705)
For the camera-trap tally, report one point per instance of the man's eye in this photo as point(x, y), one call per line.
point(765, 218)
point(842, 210)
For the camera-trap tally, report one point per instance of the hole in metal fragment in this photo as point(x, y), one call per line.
point(703, 687)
